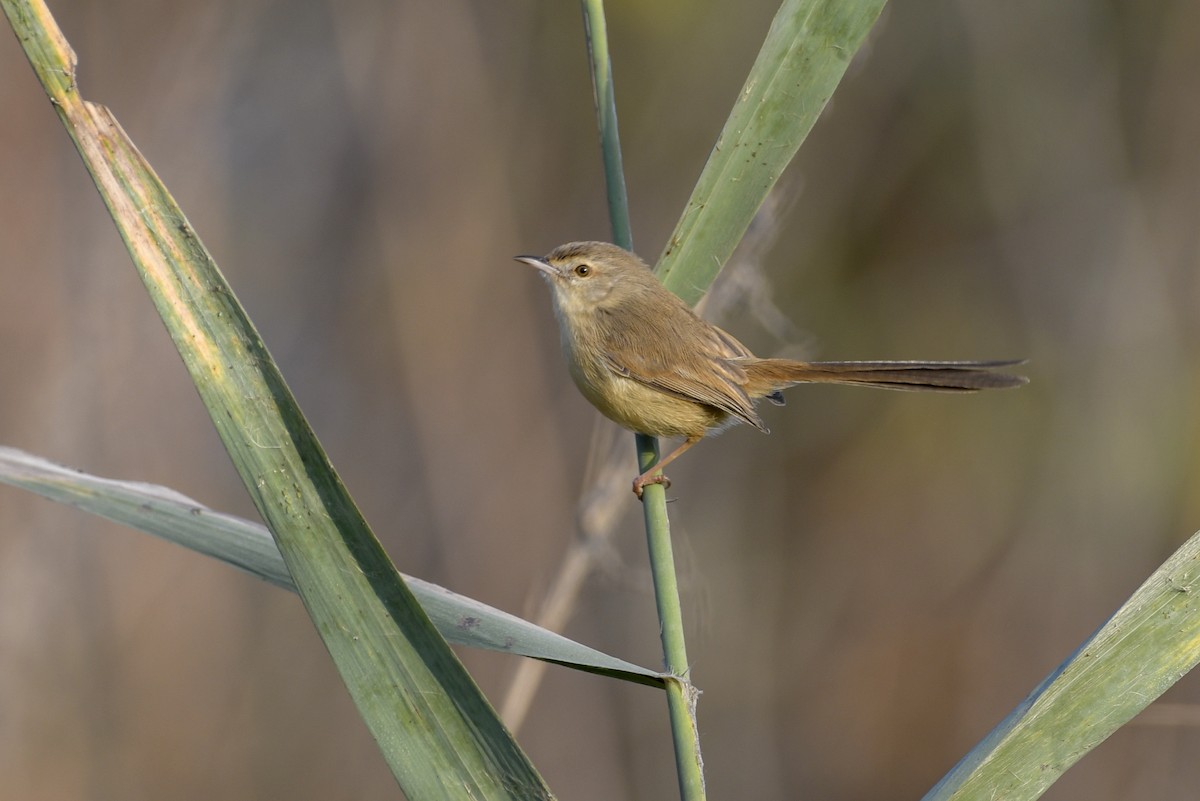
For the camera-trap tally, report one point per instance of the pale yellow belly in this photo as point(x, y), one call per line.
point(644, 409)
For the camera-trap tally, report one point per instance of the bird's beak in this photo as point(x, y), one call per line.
point(539, 263)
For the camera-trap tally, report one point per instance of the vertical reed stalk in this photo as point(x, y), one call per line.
point(681, 695)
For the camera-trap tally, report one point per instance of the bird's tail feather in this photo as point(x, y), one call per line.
point(770, 375)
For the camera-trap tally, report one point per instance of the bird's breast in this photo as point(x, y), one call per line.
point(627, 401)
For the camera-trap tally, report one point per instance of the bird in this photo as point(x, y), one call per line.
point(648, 362)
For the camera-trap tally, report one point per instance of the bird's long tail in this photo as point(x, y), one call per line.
point(767, 376)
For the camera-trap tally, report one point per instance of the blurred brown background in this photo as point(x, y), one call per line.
point(869, 589)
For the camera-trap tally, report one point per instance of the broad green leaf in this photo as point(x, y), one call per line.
point(435, 728)
point(805, 54)
point(165, 513)
point(1151, 642)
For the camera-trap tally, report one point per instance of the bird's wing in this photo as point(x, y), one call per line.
point(704, 371)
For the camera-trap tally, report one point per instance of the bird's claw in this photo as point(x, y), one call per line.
point(640, 483)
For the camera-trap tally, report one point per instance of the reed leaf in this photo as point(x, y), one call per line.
point(436, 730)
point(806, 53)
point(1150, 643)
point(174, 517)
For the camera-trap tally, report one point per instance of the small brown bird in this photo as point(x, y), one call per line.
point(647, 362)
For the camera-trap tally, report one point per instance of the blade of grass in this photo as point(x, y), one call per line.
point(681, 695)
point(802, 60)
point(1151, 642)
point(436, 730)
point(165, 513)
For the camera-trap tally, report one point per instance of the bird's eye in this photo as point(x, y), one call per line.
point(583, 270)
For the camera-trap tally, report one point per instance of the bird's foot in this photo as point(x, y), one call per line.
point(641, 481)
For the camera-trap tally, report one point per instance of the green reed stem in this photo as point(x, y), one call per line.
point(681, 695)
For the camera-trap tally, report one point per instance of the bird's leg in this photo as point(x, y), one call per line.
point(645, 478)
